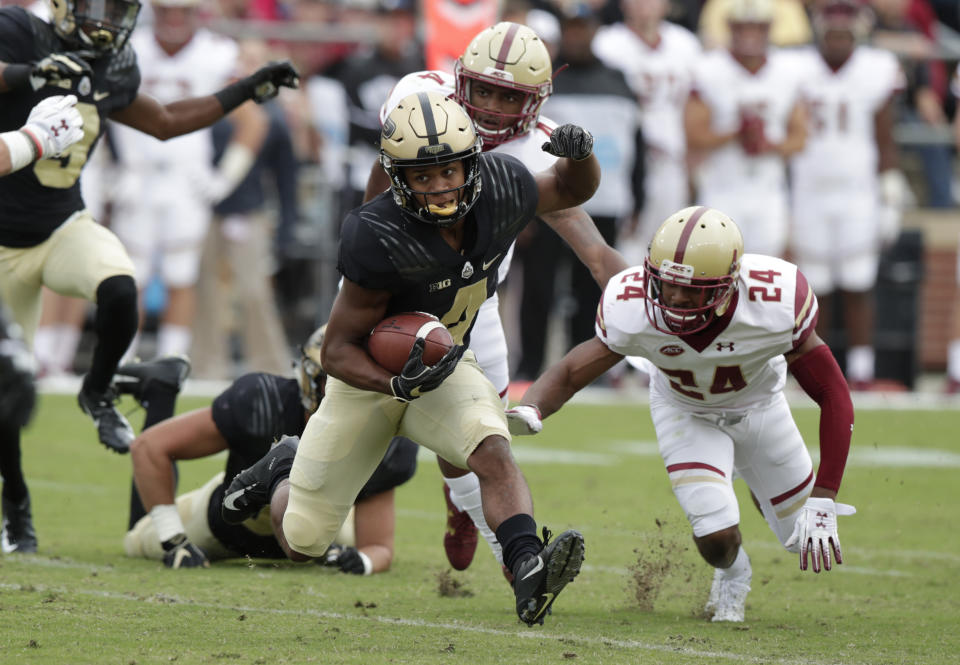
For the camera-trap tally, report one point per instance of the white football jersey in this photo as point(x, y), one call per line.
point(660, 75)
point(841, 148)
point(730, 90)
point(738, 361)
point(430, 80)
point(205, 65)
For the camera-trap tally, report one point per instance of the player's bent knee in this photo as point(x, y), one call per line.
point(710, 507)
point(305, 535)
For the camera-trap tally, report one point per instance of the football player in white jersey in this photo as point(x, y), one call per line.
point(162, 208)
point(847, 190)
point(502, 79)
point(745, 116)
point(657, 58)
point(721, 328)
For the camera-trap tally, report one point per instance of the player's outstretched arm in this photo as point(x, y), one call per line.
point(577, 229)
point(815, 532)
point(582, 365)
point(574, 177)
point(164, 122)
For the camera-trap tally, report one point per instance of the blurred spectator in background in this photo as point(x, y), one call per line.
point(162, 206)
point(657, 59)
point(789, 25)
point(744, 115)
point(907, 27)
point(590, 94)
point(953, 350)
point(848, 192)
point(368, 76)
point(238, 254)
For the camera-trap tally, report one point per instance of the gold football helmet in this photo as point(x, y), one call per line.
point(425, 129)
point(750, 11)
point(310, 374)
point(101, 25)
point(507, 55)
point(699, 249)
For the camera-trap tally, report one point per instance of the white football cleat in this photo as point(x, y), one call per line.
point(731, 600)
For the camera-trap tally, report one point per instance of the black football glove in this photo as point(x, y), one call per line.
point(569, 141)
point(347, 559)
point(265, 83)
point(58, 67)
point(417, 378)
point(178, 552)
point(17, 391)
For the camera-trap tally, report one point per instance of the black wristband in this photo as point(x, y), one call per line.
point(17, 76)
point(234, 95)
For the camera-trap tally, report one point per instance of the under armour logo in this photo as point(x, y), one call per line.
point(63, 125)
point(820, 525)
point(722, 345)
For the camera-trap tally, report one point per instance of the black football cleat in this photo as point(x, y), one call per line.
point(138, 379)
point(540, 579)
point(17, 533)
point(249, 491)
point(112, 428)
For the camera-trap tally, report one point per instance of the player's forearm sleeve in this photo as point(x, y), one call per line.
point(819, 375)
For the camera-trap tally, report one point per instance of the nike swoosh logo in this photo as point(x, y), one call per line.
point(549, 597)
point(536, 569)
point(97, 96)
point(229, 501)
point(487, 264)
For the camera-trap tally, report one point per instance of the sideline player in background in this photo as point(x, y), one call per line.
point(848, 194)
point(744, 116)
point(47, 237)
point(249, 417)
point(432, 243)
point(720, 329)
point(502, 80)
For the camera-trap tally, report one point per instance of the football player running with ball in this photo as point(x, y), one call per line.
point(502, 79)
point(47, 236)
point(433, 243)
point(721, 328)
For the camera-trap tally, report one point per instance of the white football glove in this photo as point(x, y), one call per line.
point(524, 419)
point(815, 532)
point(56, 124)
point(894, 197)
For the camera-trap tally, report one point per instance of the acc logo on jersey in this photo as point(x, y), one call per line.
point(671, 350)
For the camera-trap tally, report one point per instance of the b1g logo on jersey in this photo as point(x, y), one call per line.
point(671, 350)
point(442, 284)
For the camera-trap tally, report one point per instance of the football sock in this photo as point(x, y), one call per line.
point(953, 360)
point(45, 348)
point(14, 484)
point(173, 339)
point(860, 360)
point(518, 537)
point(115, 325)
point(68, 339)
point(465, 495)
point(740, 570)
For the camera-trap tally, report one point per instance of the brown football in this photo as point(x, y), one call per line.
point(390, 341)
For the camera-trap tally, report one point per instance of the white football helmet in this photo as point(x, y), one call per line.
point(101, 25)
point(310, 374)
point(697, 248)
point(425, 129)
point(507, 55)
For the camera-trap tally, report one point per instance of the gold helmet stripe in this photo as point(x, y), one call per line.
point(507, 43)
point(687, 232)
point(429, 121)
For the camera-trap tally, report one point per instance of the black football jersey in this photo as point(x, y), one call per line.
point(35, 200)
point(381, 248)
point(258, 409)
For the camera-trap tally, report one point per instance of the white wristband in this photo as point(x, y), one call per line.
point(21, 148)
point(166, 520)
point(367, 563)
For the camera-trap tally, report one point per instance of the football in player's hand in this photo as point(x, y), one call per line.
point(390, 341)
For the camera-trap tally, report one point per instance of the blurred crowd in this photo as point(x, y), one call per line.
point(234, 231)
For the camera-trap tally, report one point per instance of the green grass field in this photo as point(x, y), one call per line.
point(595, 468)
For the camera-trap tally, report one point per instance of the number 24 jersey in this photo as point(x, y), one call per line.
point(737, 361)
